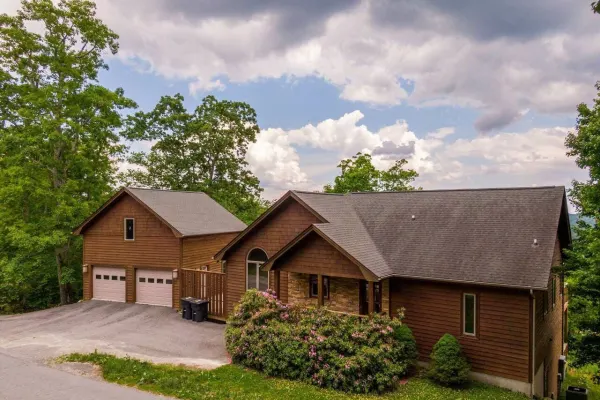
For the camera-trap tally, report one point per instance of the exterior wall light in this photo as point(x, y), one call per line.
point(84, 269)
point(174, 274)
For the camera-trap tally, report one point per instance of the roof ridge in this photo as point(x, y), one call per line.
point(323, 193)
point(464, 189)
point(163, 190)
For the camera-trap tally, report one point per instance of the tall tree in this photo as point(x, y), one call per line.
point(360, 175)
point(58, 144)
point(203, 150)
point(583, 262)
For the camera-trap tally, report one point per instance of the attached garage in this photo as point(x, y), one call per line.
point(109, 283)
point(149, 234)
point(154, 286)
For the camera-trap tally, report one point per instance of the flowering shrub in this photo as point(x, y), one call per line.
point(338, 351)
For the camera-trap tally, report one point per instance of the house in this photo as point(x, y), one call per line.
point(473, 263)
point(137, 244)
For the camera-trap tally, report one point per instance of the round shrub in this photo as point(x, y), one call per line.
point(327, 349)
point(448, 365)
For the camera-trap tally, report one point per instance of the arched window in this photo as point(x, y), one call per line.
point(256, 278)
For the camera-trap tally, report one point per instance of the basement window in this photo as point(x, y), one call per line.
point(469, 314)
point(129, 229)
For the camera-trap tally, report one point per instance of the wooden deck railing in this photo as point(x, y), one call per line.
point(206, 285)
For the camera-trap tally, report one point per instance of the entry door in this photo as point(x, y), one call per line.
point(109, 284)
point(154, 287)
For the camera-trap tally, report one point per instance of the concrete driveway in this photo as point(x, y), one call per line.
point(156, 334)
point(25, 380)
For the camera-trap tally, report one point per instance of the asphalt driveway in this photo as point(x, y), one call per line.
point(156, 334)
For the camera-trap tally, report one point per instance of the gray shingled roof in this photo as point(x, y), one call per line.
point(191, 213)
point(481, 236)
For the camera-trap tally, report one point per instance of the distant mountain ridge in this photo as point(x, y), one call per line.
point(573, 218)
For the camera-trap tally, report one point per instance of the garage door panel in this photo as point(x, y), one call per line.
point(154, 287)
point(109, 284)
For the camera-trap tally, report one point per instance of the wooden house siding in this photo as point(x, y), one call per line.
point(549, 326)
point(501, 347)
point(199, 251)
point(155, 245)
point(314, 255)
point(279, 228)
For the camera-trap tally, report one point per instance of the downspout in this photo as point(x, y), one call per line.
point(532, 343)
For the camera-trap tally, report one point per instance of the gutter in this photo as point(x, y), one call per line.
point(532, 343)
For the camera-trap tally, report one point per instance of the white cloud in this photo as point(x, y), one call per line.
point(441, 133)
point(199, 85)
point(534, 157)
point(368, 51)
point(500, 57)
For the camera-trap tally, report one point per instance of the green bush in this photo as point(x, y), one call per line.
point(448, 365)
point(331, 350)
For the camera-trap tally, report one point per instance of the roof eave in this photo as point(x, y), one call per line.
point(466, 282)
point(268, 266)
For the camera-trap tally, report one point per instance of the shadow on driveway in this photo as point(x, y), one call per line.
point(156, 334)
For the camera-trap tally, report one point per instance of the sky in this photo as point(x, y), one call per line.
point(472, 93)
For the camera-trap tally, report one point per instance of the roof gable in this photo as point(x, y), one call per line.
point(185, 213)
point(263, 218)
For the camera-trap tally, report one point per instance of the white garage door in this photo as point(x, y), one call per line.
point(154, 287)
point(109, 284)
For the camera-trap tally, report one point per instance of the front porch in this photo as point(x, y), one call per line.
point(337, 293)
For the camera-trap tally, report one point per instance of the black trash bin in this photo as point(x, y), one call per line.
point(199, 310)
point(576, 393)
point(186, 307)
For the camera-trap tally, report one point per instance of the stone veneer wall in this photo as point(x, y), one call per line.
point(343, 293)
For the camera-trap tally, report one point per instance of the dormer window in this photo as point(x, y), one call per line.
point(129, 229)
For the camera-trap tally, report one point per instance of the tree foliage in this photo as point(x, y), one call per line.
point(360, 175)
point(58, 145)
point(583, 261)
point(203, 150)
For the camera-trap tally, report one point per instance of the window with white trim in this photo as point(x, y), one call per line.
point(469, 314)
point(129, 225)
point(256, 277)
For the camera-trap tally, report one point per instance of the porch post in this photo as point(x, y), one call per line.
point(320, 288)
point(371, 297)
point(277, 282)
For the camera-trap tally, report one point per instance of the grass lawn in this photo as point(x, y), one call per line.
point(582, 377)
point(233, 382)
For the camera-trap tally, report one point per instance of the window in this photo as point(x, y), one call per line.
point(142, 280)
point(98, 276)
point(256, 278)
point(150, 280)
point(122, 278)
point(159, 281)
point(169, 281)
point(314, 286)
point(129, 229)
point(364, 297)
point(469, 314)
point(115, 278)
point(106, 277)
